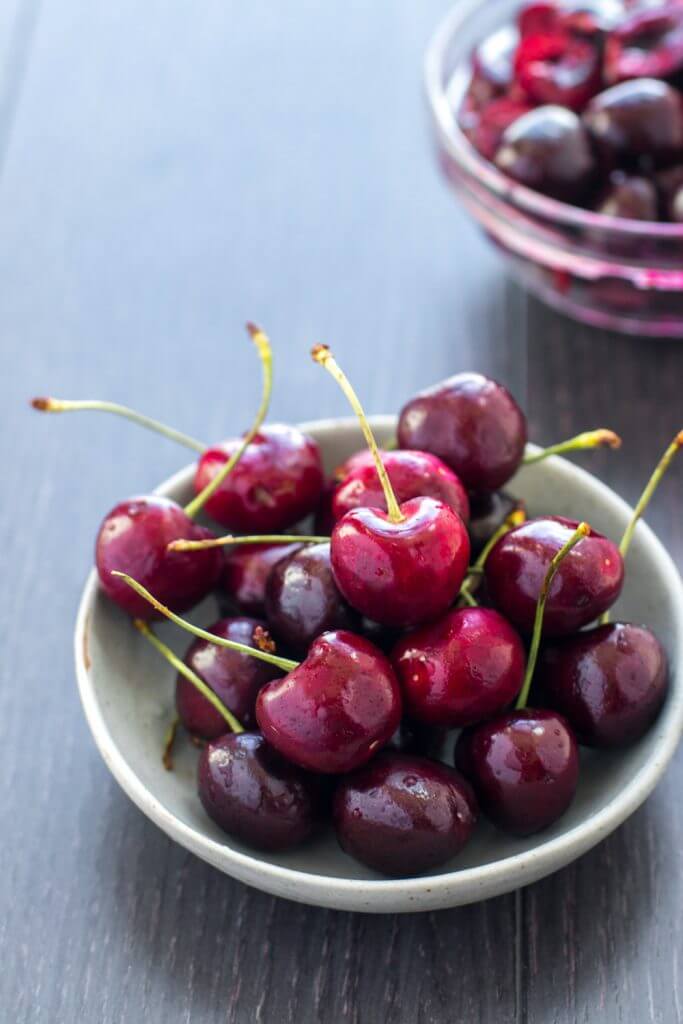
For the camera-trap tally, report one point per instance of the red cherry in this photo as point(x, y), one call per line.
point(133, 538)
point(648, 44)
point(247, 567)
point(277, 481)
point(588, 582)
point(558, 68)
point(536, 18)
point(639, 119)
point(336, 709)
point(412, 474)
point(461, 669)
point(485, 128)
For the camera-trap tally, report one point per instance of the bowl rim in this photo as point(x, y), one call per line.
point(484, 171)
point(402, 894)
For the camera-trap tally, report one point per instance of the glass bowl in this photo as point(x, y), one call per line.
point(626, 275)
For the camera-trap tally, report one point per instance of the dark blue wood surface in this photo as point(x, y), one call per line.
point(168, 170)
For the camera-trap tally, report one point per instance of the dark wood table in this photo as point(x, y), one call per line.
point(170, 169)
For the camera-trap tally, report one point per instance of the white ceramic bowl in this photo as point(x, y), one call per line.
point(127, 694)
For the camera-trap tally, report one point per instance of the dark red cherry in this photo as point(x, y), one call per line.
point(492, 66)
point(336, 709)
point(629, 196)
point(670, 186)
point(558, 67)
point(488, 512)
point(461, 669)
point(276, 483)
point(236, 678)
point(400, 573)
point(588, 581)
point(608, 682)
point(484, 127)
point(648, 44)
point(549, 150)
point(302, 599)
point(412, 474)
point(472, 423)
point(403, 815)
point(133, 538)
point(523, 767)
point(247, 568)
point(255, 795)
point(638, 119)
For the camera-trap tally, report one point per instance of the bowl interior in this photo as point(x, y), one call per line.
point(127, 691)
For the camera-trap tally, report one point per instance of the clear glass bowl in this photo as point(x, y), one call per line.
point(626, 275)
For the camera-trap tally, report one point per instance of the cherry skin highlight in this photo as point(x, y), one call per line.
point(609, 682)
point(253, 794)
point(302, 599)
point(276, 483)
point(133, 538)
point(402, 815)
point(400, 573)
point(473, 424)
point(523, 767)
point(247, 568)
point(587, 583)
point(461, 669)
point(336, 709)
point(234, 677)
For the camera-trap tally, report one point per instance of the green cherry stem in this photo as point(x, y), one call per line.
point(261, 538)
point(588, 439)
point(475, 572)
point(262, 343)
point(186, 671)
point(284, 663)
point(67, 405)
point(322, 355)
point(582, 530)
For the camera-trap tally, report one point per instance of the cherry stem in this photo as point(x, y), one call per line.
point(67, 405)
point(186, 671)
point(261, 538)
point(169, 742)
point(468, 597)
point(475, 572)
point(322, 355)
point(262, 343)
point(284, 663)
point(589, 439)
point(582, 530)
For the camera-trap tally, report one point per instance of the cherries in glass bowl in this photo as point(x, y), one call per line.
point(560, 126)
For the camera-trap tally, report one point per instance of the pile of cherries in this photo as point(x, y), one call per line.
point(582, 101)
point(424, 603)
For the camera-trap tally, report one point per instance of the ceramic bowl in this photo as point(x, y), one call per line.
point(127, 694)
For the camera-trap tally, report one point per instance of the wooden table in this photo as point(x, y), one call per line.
point(170, 169)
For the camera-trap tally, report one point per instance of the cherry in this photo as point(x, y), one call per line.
point(488, 512)
point(398, 567)
point(558, 67)
point(549, 150)
point(670, 185)
point(472, 423)
point(332, 711)
point(485, 127)
point(648, 44)
point(402, 815)
point(253, 794)
point(492, 66)
point(247, 567)
point(642, 118)
point(463, 668)
point(412, 474)
point(538, 18)
point(609, 682)
point(302, 599)
point(589, 580)
point(524, 765)
point(629, 196)
point(235, 677)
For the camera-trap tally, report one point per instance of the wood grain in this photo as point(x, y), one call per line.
point(169, 171)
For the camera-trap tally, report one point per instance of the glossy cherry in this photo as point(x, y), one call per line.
point(587, 583)
point(253, 794)
point(609, 682)
point(247, 568)
point(402, 815)
point(549, 150)
point(235, 677)
point(133, 538)
point(302, 598)
point(642, 118)
point(558, 67)
point(648, 44)
point(472, 423)
point(413, 474)
point(629, 196)
point(277, 481)
point(461, 669)
point(485, 126)
point(493, 66)
point(488, 512)
point(336, 709)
